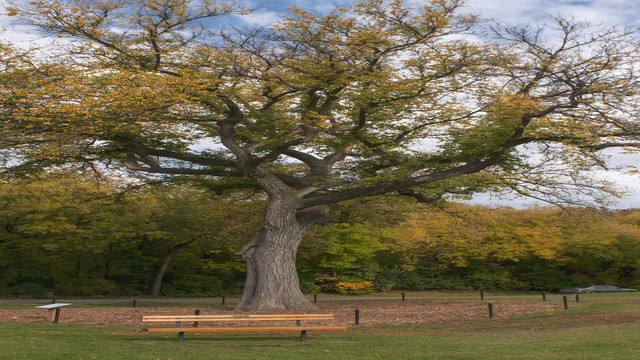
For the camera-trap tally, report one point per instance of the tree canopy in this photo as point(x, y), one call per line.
point(379, 98)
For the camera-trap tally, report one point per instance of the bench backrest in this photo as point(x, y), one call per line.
point(223, 318)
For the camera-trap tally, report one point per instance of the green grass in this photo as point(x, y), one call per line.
point(601, 327)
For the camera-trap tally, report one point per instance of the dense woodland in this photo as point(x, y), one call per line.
point(70, 237)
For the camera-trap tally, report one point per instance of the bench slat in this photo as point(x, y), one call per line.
point(294, 316)
point(230, 320)
point(181, 316)
point(311, 316)
point(246, 329)
point(223, 318)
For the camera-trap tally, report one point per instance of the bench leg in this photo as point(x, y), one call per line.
point(54, 315)
point(303, 335)
point(180, 336)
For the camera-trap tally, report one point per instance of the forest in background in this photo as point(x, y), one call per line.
point(62, 236)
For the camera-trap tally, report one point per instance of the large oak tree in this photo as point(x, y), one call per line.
point(378, 99)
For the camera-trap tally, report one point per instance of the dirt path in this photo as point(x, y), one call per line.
point(371, 312)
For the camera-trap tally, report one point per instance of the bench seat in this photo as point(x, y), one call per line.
point(196, 319)
point(245, 329)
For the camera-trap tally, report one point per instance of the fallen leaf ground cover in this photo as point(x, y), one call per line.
point(421, 311)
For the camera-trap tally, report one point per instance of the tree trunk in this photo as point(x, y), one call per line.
point(157, 283)
point(162, 270)
point(272, 280)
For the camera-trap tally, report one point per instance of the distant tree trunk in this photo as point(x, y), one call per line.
point(157, 283)
point(272, 280)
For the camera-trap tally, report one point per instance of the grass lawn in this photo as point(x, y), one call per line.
point(601, 327)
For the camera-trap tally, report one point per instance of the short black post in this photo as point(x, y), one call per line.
point(481, 294)
point(134, 303)
point(223, 299)
point(53, 301)
point(180, 334)
point(564, 300)
point(490, 311)
point(57, 316)
point(196, 324)
point(577, 298)
point(315, 298)
point(402, 296)
point(357, 317)
point(544, 295)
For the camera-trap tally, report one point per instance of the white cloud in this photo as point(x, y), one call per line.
point(22, 35)
point(261, 17)
point(12, 31)
point(619, 12)
point(321, 6)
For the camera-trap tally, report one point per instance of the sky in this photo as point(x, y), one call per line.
point(607, 12)
point(610, 12)
point(597, 11)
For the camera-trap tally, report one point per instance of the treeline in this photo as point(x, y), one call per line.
point(456, 247)
point(69, 237)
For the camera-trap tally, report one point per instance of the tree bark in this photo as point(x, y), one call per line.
point(272, 280)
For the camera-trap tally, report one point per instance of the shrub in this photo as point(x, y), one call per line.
point(354, 288)
point(496, 280)
point(544, 278)
point(88, 287)
point(415, 281)
point(326, 283)
point(28, 290)
point(308, 286)
point(196, 285)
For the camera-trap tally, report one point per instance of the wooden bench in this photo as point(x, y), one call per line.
point(275, 318)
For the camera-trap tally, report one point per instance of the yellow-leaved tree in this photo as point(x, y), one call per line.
point(381, 98)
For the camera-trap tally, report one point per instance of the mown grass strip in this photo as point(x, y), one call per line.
point(589, 331)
